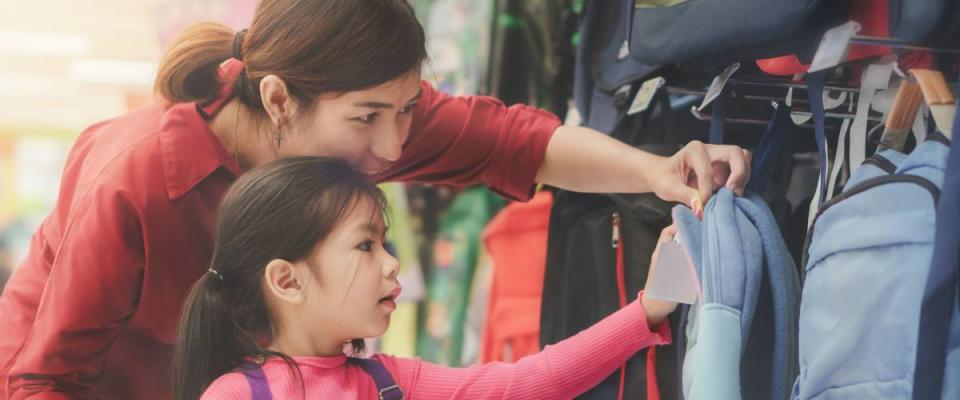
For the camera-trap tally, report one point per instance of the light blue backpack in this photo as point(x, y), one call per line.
point(741, 339)
point(866, 264)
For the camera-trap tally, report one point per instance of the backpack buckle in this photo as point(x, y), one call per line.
point(384, 393)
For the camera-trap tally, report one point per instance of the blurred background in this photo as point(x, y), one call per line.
point(65, 65)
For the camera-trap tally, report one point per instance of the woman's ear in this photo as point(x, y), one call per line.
point(282, 282)
point(276, 100)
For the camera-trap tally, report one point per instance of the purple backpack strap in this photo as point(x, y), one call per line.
point(257, 381)
point(387, 387)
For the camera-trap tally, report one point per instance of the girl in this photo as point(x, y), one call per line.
point(299, 271)
point(92, 311)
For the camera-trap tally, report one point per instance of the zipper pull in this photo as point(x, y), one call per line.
point(616, 230)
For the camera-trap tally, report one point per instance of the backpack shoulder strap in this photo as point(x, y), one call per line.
point(386, 386)
point(259, 390)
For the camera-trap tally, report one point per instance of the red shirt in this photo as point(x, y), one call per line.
point(93, 309)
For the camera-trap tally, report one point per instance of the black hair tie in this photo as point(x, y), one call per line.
point(238, 44)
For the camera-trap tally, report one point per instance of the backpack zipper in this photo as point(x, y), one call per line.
point(621, 287)
point(615, 237)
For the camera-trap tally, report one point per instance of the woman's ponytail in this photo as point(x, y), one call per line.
point(189, 68)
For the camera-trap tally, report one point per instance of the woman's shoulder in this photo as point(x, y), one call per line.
point(124, 130)
point(116, 147)
point(147, 153)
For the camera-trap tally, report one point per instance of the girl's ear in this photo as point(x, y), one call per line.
point(282, 282)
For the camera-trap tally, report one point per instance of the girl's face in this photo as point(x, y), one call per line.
point(366, 128)
point(352, 286)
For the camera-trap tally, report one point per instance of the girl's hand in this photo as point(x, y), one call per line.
point(657, 310)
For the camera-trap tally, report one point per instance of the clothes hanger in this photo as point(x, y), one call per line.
point(938, 97)
point(901, 116)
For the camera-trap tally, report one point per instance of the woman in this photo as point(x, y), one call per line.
point(93, 309)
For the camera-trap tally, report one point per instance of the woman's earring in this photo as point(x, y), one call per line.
point(279, 134)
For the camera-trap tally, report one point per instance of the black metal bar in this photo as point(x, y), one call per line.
point(768, 99)
point(898, 44)
point(785, 85)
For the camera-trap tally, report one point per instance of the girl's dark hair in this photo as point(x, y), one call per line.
point(315, 46)
point(281, 210)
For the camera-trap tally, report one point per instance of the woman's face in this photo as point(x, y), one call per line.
point(366, 128)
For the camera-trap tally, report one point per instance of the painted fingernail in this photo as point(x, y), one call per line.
point(697, 206)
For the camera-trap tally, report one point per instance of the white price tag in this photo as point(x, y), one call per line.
point(624, 51)
point(717, 85)
point(833, 46)
point(641, 102)
point(673, 277)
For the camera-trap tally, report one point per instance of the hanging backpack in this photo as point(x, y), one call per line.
point(589, 275)
point(741, 338)
point(929, 22)
point(876, 19)
point(598, 255)
point(744, 327)
point(516, 240)
point(719, 32)
point(872, 17)
point(869, 250)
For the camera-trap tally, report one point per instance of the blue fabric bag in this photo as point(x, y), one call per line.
point(866, 265)
point(741, 339)
point(931, 22)
point(718, 32)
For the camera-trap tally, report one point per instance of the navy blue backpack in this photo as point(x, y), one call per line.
point(718, 32)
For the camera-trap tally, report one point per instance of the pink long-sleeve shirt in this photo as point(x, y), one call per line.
point(563, 370)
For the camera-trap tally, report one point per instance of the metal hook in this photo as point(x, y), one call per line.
point(697, 114)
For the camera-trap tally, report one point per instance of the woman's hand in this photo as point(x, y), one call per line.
point(699, 169)
point(657, 310)
point(584, 160)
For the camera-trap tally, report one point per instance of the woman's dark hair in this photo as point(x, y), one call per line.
point(281, 210)
point(315, 46)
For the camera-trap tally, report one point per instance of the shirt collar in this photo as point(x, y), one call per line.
point(189, 150)
point(321, 362)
